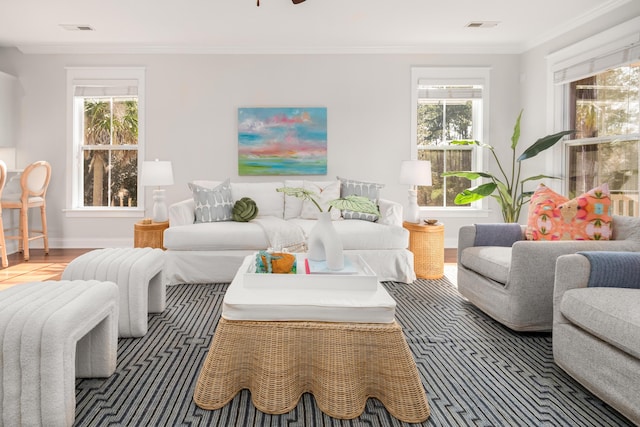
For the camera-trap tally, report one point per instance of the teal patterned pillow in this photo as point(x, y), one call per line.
point(213, 204)
point(370, 190)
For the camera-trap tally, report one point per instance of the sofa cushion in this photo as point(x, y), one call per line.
point(363, 234)
point(611, 314)
point(326, 191)
point(292, 205)
point(216, 236)
point(371, 190)
point(269, 201)
point(554, 217)
point(212, 204)
point(490, 261)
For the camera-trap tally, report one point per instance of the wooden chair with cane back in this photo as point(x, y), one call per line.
point(34, 181)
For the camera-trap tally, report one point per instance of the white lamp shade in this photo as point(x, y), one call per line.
point(156, 173)
point(415, 172)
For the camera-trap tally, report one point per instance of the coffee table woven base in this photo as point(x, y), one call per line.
point(341, 364)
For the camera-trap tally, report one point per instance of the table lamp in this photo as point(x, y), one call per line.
point(155, 174)
point(414, 173)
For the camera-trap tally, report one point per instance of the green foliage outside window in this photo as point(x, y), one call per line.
point(110, 169)
point(605, 111)
point(439, 123)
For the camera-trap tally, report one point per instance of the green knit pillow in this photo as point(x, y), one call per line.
point(244, 210)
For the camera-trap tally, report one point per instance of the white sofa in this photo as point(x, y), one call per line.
point(212, 252)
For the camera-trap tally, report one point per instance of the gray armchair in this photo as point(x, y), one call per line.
point(596, 330)
point(514, 284)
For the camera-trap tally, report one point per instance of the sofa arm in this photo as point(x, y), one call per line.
point(536, 260)
point(467, 237)
point(390, 212)
point(182, 213)
point(533, 264)
point(571, 272)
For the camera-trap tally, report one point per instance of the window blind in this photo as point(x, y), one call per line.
point(429, 91)
point(97, 88)
point(598, 64)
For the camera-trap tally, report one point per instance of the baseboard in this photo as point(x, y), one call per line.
point(451, 242)
point(56, 243)
point(82, 243)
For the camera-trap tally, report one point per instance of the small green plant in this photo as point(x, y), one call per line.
point(510, 188)
point(351, 203)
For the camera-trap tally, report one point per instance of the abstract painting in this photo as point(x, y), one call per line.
point(282, 141)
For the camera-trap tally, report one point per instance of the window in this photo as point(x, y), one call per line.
point(448, 105)
point(604, 109)
point(597, 93)
point(107, 140)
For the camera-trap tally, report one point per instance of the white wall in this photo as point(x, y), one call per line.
point(192, 103)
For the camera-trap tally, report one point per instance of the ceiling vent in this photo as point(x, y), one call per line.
point(76, 27)
point(482, 24)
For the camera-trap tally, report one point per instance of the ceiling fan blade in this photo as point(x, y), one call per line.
point(297, 1)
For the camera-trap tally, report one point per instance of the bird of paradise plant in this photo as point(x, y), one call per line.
point(507, 186)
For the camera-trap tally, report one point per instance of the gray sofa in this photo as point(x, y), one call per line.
point(514, 284)
point(596, 335)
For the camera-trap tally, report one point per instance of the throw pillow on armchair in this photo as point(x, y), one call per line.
point(552, 216)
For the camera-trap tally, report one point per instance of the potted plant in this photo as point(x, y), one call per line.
point(351, 203)
point(324, 243)
point(507, 186)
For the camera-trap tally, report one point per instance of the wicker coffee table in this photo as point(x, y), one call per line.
point(341, 363)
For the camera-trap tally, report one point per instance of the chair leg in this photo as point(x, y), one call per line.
point(45, 236)
point(20, 250)
point(24, 230)
point(3, 249)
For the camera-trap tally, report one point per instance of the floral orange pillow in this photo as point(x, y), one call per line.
point(554, 217)
point(544, 218)
point(588, 216)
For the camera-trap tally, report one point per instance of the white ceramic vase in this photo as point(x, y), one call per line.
point(325, 244)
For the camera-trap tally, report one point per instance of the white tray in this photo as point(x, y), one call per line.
point(364, 280)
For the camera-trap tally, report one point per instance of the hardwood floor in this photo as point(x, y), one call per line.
point(450, 255)
point(43, 267)
point(40, 267)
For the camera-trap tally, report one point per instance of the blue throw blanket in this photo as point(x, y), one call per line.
point(497, 234)
point(613, 269)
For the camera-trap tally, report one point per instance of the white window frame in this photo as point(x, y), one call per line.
point(455, 76)
point(612, 48)
point(99, 75)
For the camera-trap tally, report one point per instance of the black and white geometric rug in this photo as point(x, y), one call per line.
point(475, 371)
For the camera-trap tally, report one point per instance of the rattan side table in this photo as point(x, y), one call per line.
point(149, 235)
point(427, 244)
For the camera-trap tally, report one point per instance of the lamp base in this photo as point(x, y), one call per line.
point(413, 211)
point(160, 211)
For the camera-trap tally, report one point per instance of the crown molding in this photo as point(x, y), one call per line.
point(90, 49)
point(576, 22)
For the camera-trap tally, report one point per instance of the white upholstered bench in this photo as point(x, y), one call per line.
point(138, 274)
point(51, 333)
